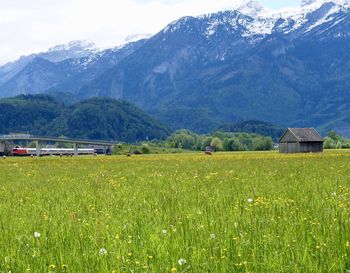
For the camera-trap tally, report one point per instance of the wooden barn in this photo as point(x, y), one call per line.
point(301, 140)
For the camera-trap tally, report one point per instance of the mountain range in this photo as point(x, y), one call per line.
point(290, 67)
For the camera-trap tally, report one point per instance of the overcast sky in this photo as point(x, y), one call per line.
point(29, 26)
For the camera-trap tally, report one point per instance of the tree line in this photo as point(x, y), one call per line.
point(336, 141)
point(219, 141)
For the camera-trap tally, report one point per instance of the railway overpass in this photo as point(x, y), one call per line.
point(4, 139)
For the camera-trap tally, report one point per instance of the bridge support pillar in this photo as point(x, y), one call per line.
point(37, 147)
point(2, 148)
point(75, 149)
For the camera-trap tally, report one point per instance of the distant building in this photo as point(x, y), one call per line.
point(301, 140)
point(5, 148)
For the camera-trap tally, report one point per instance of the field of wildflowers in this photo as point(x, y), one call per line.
point(239, 212)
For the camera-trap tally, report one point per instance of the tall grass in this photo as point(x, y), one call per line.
point(244, 212)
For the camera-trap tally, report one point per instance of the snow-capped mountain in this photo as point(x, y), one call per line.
point(288, 66)
point(66, 67)
point(75, 47)
point(71, 50)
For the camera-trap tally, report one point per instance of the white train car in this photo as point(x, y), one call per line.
point(18, 151)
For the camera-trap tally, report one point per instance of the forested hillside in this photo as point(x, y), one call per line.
point(96, 118)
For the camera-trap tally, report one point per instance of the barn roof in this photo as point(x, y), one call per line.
point(305, 134)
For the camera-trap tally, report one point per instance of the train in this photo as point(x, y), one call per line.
point(19, 151)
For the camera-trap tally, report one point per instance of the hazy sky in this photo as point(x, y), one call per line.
point(28, 26)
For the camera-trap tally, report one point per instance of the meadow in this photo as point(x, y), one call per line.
point(230, 212)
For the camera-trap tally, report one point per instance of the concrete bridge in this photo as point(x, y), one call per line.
point(4, 139)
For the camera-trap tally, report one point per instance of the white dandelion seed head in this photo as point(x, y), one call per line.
point(182, 261)
point(37, 234)
point(103, 251)
point(212, 236)
point(250, 200)
point(164, 231)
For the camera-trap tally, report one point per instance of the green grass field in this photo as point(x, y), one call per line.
point(244, 212)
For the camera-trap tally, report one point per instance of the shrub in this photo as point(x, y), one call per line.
point(145, 149)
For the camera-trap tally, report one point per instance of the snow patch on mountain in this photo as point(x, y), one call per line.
point(137, 37)
point(324, 18)
point(77, 45)
point(310, 3)
point(312, 14)
point(82, 64)
point(251, 8)
point(177, 24)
